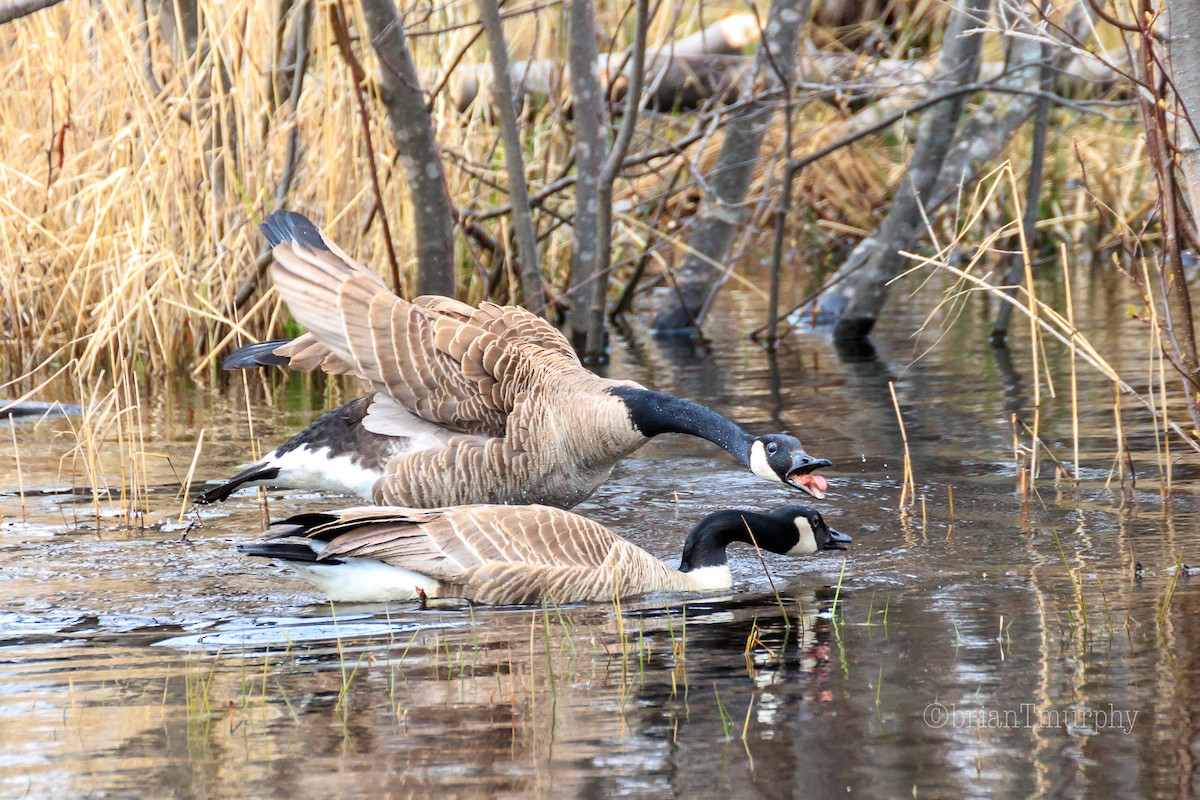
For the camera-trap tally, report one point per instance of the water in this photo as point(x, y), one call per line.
point(1012, 653)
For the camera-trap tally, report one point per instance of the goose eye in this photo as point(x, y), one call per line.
point(772, 449)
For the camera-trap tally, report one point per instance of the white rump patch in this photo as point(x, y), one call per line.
point(363, 580)
point(386, 417)
point(759, 465)
point(808, 540)
point(306, 468)
point(707, 579)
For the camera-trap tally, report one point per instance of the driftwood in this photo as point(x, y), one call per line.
point(684, 73)
point(683, 77)
point(14, 409)
point(15, 9)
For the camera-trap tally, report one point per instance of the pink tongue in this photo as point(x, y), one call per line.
point(815, 481)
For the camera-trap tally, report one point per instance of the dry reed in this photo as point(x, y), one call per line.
point(125, 237)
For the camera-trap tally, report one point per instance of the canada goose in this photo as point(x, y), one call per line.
point(469, 405)
point(499, 555)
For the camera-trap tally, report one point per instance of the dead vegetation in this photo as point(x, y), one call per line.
point(141, 149)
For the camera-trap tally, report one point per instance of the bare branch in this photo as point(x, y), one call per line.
point(514, 162)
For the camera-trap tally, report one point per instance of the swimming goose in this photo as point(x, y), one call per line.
point(484, 404)
point(517, 554)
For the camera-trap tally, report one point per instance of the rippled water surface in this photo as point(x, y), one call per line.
point(1004, 647)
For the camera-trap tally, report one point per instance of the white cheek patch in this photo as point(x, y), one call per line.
point(759, 465)
point(808, 540)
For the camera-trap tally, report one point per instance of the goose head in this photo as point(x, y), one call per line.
point(813, 533)
point(780, 457)
point(794, 531)
point(775, 457)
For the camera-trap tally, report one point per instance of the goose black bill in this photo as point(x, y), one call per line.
point(803, 477)
point(836, 541)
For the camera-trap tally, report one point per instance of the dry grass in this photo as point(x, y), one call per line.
point(125, 233)
point(975, 257)
point(122, 249)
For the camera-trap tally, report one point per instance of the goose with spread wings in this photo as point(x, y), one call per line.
point(468, 405)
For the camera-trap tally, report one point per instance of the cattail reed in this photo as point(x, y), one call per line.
point(908, 490)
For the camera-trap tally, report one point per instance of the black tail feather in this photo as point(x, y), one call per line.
point(304, 525)
point(288, 226)
point(221, 493)
point(259, 354)
point(309, 519)
point(285, 551)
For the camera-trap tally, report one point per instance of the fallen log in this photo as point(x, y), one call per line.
point(683, 73)
point(692, 71)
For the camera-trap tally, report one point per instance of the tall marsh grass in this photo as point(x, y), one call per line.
point(127, 218)
point(128, 213)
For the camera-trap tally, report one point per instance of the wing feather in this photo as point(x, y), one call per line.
point(446, 362)
point(490, 553)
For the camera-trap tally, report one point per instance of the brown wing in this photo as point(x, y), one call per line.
point(496, 554)
point(430, 356)
point(510, 323)
point(454, 540)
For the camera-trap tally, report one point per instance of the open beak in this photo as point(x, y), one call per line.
point(836, 541)
point(802, 477)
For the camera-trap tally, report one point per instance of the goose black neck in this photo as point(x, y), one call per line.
point(654, 413)
point(705, 546)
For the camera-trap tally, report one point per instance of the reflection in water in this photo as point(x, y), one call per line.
point(1013, 653)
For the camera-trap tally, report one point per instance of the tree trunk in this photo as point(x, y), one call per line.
point(589, 122)
point(721, 211)
point(1033, 189)
point(613, 161)
point(860, 296)
point(433, 214)
point(1183, 41)
point(532, 291)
